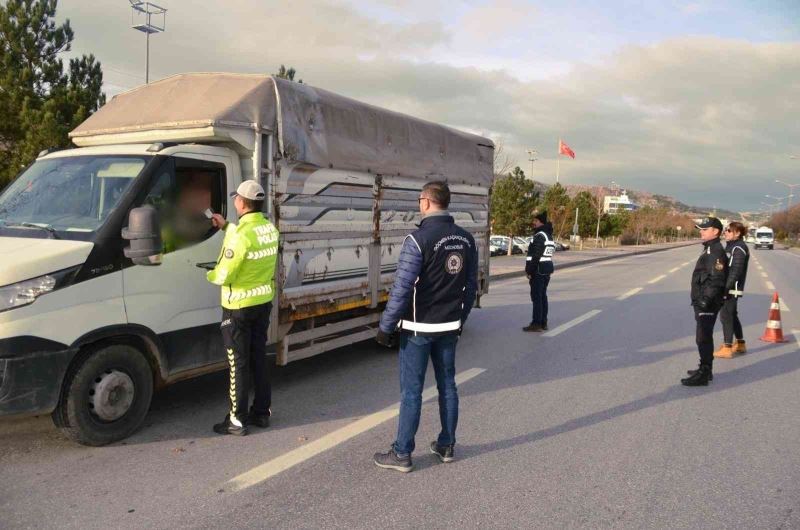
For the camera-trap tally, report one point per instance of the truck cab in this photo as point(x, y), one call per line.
point(68, 291)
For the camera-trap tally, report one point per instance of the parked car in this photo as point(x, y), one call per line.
point(559, 244)
point(520, 245)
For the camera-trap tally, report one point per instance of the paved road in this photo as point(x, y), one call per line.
point(587, 427)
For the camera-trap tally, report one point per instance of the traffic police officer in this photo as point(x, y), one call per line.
point(538, 267)
point(245, 270)
point(433, 292)
point(708, 292)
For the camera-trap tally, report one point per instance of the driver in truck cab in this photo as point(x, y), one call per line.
point(245, 270)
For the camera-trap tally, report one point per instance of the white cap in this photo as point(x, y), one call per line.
point(250, 189)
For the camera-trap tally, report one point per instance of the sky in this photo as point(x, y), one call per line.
point(699, 100)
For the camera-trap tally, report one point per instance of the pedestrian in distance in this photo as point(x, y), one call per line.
point(707, 294)
point(738, 259)
point(245, 269)
point(433, 292)
point(538, 267)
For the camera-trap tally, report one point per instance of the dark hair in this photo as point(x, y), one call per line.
point(252, 205)
point(542, 217)
point(438, 192)
point(737, 227)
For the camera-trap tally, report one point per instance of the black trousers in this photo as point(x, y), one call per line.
point(539, 283)
point(705, 335)
point(244, 334)
point(729, 315)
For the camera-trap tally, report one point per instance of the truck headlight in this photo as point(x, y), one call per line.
point(25, 292)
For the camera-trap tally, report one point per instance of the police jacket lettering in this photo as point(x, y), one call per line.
point(436, 280)
point(709, 277)
point(540, 252)
point(738, 258)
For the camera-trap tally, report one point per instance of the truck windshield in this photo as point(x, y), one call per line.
point(68, 194)
point(764, 234)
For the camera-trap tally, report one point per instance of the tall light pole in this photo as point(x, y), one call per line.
point(147, 18)
point(791, 191)
point(531, 158)
point(780, 199)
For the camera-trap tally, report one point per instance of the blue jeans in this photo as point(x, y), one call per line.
point(414, 353)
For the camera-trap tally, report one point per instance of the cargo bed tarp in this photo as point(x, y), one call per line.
point(314, 126)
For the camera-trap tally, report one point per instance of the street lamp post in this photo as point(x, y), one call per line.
point(791, 192)
point(147, 18)
point(532, 158)
point(780, 199)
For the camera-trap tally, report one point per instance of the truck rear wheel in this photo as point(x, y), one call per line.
point(106, 396)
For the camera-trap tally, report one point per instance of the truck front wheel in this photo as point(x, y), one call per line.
point(106, 396)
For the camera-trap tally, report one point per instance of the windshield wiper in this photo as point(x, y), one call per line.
point(47, 228)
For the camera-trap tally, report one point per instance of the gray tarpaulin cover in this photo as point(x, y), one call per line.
point(314, 126)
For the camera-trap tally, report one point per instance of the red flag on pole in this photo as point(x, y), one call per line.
point(563, 149)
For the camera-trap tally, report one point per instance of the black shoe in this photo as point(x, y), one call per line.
point(444, 452)
point(544, 327)
point(692, 372)
point(532, 327)
point(700, 377)
point(257, 419)
point(390, 460)
point(226, 427)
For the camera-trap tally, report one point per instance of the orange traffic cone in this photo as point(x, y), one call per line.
point(774, 333)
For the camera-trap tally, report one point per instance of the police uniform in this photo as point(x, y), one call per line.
point(434, 290)
point(738, 258)
point(707, 295)
point(245, 270)
point(538, 267)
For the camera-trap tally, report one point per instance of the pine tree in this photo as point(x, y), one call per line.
point(40, 102)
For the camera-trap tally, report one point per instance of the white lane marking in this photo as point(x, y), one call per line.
point(675, 269)
point(770, 285)
point(288, 460)
point(763, 274)
point(574, 322)
point(784, 307)
point(657, 279)
point(629, 294)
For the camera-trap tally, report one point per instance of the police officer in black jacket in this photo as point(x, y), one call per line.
point(538, 268)
point(708, 293)
point(738, 258)
point(434, 289)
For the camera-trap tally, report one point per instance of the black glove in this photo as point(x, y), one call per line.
point(703, 304)
point(385, 339)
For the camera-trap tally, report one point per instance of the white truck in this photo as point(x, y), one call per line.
point(765, 238)
point(92, 322)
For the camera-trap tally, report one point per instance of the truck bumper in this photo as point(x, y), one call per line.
point(31, 374)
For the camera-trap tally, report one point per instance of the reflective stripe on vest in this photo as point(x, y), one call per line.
point(549, 247)
point(430, 328)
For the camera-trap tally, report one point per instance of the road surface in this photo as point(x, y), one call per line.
point(586, 426)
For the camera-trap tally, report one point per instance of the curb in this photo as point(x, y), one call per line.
point(517, 274)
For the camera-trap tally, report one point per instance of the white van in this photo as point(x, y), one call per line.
point(765, 238)
point(95, 314)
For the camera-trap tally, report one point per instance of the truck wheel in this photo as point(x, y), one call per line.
point(106, 396)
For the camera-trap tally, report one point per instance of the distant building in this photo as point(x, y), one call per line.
point(618, 203)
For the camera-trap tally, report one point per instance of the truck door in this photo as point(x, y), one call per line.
point(174, 300)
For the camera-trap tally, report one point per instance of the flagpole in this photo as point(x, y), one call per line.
point(558, 159)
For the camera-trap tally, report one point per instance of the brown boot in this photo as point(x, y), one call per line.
point(739, 347)
point(725, 352)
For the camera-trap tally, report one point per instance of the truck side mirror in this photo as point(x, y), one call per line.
point(144, 234)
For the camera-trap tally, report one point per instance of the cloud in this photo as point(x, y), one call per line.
point(496, 18)
point(687, 117)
